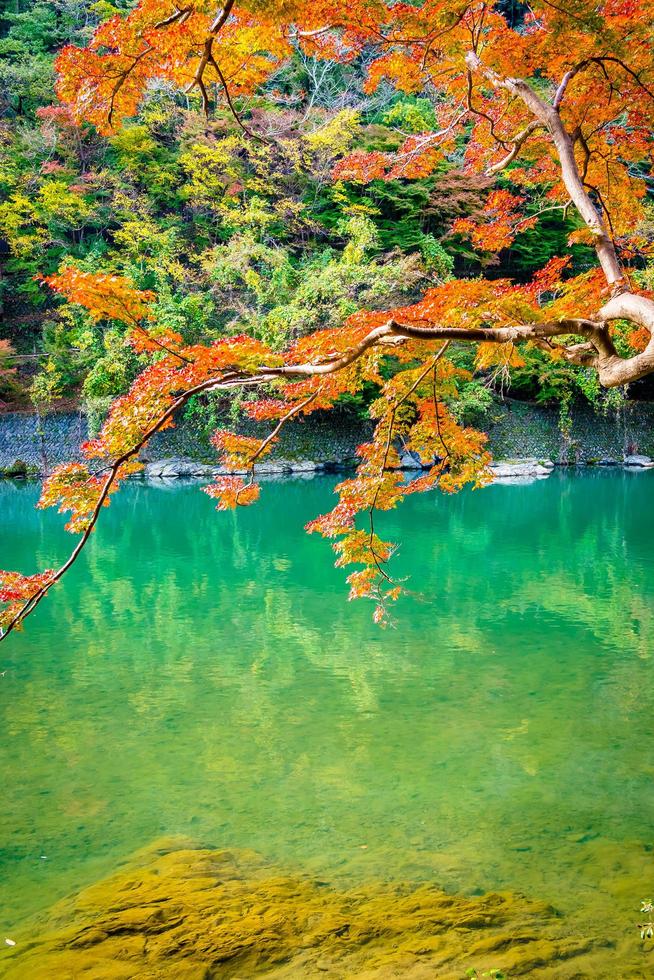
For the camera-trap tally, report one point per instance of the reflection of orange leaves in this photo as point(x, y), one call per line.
point(232, 491)
point(106, 297)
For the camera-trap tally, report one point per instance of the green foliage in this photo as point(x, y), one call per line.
point(473, 403)
point(399, 210)
point(45, 389)
point(266, 291)
point(437, 260)
point(231, 234)
point(411, 115)
point(533, 249)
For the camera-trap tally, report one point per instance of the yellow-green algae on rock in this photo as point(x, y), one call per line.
point(195, 914)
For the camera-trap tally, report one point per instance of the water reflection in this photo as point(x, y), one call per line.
point(201, 673)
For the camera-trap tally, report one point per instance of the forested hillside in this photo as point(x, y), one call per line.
point(235, 220)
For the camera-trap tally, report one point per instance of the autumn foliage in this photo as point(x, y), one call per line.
point(554, 109)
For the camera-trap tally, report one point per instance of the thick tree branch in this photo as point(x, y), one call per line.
point(518, 142)
point(548, 116)
point(180, 15)
point(221, 17)
point(230, 103)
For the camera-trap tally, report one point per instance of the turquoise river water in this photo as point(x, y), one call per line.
point(203, 674)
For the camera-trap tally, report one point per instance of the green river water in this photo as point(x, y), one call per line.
point(203, 674)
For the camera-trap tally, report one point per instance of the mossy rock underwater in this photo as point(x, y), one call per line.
point(195, 914)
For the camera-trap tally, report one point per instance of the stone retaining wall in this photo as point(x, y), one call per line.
point(40, 442)
point(516, 429)
point(522, 429)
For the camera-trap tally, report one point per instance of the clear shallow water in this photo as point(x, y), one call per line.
point(202, 674)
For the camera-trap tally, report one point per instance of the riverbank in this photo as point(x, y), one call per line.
point(31, 444)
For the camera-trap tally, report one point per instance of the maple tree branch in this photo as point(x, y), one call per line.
point(207, 57)
point(597, 60)
point(221, 17)
point(599, 352)
point(378, 560)
point(565, 81)
point(181, 14)
point(618, 61)
point(198, 78)
point(482, 114)
point(34, 600)
point(548, 116)
point(562, 10)
point(518, 142)
point(309, 34)
point(338, 363)
point(122, 78)
point(280, 425)
point(235, 114)
point(502, 335)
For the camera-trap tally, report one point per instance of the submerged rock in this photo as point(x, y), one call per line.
point(200, 914)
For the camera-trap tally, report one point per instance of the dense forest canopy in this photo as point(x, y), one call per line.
point(318, 205)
